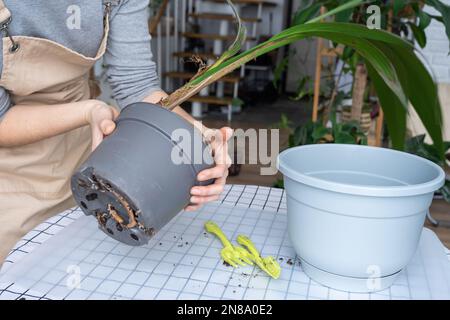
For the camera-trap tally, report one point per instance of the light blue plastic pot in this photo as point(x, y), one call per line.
point(356, 213)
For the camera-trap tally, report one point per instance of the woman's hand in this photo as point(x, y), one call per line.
point(101, 118)
point(203, 194)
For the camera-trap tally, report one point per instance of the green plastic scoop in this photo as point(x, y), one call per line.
point(233, 255)
point(268, 264)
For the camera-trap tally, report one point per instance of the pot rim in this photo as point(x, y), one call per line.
point(362, 190)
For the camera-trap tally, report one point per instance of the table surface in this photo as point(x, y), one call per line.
point(238, 196)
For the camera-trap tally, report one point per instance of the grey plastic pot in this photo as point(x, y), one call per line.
point(356, 213)
point(140, 177)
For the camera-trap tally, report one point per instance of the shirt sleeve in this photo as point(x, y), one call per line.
point(5, 102)
point(131, 70)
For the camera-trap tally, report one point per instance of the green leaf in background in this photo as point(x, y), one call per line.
point(444, 11)
point(300, 136)
point(417, 145)
point(344, 137)
point(305, 14)
point(238, 41)
point(419, 34)
point(421, 91)
point(437, 18)
point(319, 133)
point(302, 89)
point(347, 5)
point(394, 111)
point(347, 53)
point(344, 15)
point(309, 12)
point(424, 19)
point(284, 122)
point(398, 5)
point(278, 72)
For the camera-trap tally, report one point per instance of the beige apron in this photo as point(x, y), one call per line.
point(35, 179)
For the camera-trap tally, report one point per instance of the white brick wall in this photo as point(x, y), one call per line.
point(436, 53)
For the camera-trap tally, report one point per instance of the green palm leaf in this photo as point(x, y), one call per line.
point(399, 75)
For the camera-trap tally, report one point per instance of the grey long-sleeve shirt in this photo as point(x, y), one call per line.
point(78, 25)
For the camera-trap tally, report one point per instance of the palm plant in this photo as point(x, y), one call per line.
point(399, 77)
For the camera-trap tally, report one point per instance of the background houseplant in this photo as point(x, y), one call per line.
point(405, 18)
point(398, 75)
point(417, 145)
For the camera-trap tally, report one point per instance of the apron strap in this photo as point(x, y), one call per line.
point(108, 4)
point(5, 14)
point(5, 20)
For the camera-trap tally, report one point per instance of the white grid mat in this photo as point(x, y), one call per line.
point(181, 260)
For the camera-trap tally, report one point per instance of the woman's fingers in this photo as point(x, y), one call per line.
point(218, 171)
point(107, 127)
point(219, 144)
point(203, 194)
point(214, 189)
point(97, 137)
point(101, 119)
point(201, 200)
point(192, 207)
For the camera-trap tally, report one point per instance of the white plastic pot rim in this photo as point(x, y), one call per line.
point(363, 190)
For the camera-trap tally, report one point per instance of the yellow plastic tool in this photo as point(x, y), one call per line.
point(233, 255)
point(268, 264)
